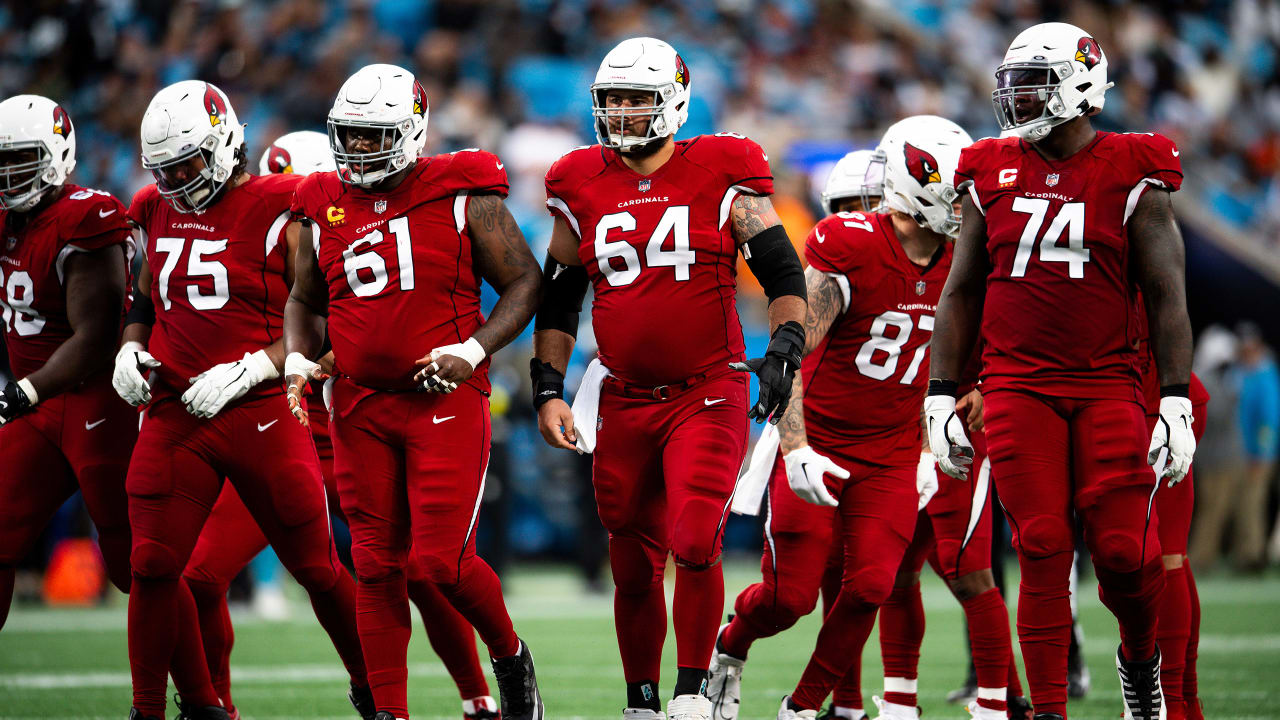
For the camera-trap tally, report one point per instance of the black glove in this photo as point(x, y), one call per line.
point(775, 371)
point(548, 382)
point(13, 402)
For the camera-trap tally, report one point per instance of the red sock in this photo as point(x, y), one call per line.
point(1133, 597)
point(901, 632)
point(992, 647)
point(216, 633)
point(639, 607)
point(1014, 684)
point(477, 596)
point(335, 609)
point(382, 615)
point(1190, 685)
point(848, 691)
point(843, 635)
point(1044, 628)
point(696, 608)
point(1172, 634)
point(7, 573)
point(451, 636)
point(164, 632)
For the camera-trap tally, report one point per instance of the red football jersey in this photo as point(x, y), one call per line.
point(1059, 313)
point(217, 277)
point(863, 385)
point(32, 269)
point(399, 265)
point(660, 252)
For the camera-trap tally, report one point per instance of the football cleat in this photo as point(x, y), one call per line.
point(786, 712)
point(1020, 708)
point(136, 714)
point(481, 708)
point(689, 707)
point(518, 686)
point(1048, 716)
point(362, 700)
point(1140, 685)
point(894, 711)
point(384, 715)
point(830, 713)
point(1078, 681)
point(980, 712)
point(724, 681)
point(642, 714)
point(191, 711)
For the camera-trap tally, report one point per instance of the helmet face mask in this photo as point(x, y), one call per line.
point(858, 175)
point(370, 167)
point(921, 154)
point(1051, 74)
point(192, 143)
point(187, 182)
point(632, 71)
point(378, 124)
point(23, 170)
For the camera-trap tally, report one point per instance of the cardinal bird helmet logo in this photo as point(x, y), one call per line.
point(921, 165)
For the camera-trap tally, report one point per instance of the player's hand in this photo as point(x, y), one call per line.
point(449, 366)
point(951, 447)
point(127, 378)
point(805, 474)
point(298, 373)
point(1173, 431)
point(14, 401)
point(555, 422)
point(969, 407)
point(926, 480)
point(775, 372)
point(212, 389)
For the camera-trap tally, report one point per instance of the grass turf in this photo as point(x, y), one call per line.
point(72, 663)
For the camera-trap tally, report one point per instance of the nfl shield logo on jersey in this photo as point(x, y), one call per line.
point(920, 287)
point(1051, 179)
point(380, 206)
point(644, 185)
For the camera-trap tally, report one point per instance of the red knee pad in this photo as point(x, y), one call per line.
point(154, 561)
point(636, 566)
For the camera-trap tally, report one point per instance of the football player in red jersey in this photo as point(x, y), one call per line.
point(64, 273)
point(394, 277)
point(207, 318)
point(1060, 220)
point(655, 225)
point(231, 538)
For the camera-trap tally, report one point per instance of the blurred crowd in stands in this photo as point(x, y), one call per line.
point(808, 80)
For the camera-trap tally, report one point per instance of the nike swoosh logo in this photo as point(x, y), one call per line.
point(559, 269)
point(821, 238)
point(500, 166)
point(91, 425)
point(437, 420)
point(709, 401)
point(1176, 153)
point(262, 427)
point(104, 214)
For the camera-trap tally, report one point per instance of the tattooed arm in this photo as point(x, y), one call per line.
point(825, 305)
point(750, 216)
point(1159, 264)
point(505, 261)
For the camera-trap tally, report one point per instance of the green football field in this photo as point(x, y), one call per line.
point(71, 663)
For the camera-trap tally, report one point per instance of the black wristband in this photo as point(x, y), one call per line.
point(938, 386)
point(548, 382)
point(142, 311)
point(787, 341)
point(1183, 390)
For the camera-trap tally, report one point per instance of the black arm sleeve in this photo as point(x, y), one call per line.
point(774, 262)
point(563, 287)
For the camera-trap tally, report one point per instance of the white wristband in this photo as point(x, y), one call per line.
point(297, 364)
point(267, 370)
point(30, 390)
point(472, 352)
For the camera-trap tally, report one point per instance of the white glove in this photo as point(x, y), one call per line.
point(950, 446)
point(127, 378)
point(212, 389)
point(926, 480)
point(805, 470)
point(1173, 431)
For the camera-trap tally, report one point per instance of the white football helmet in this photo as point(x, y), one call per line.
point(383, 101)
point(185, 120)
point(40, 129)
point(920, 157)
point(860, 174)
point(302, 152)
point(646, 64)
point(1052, 73)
